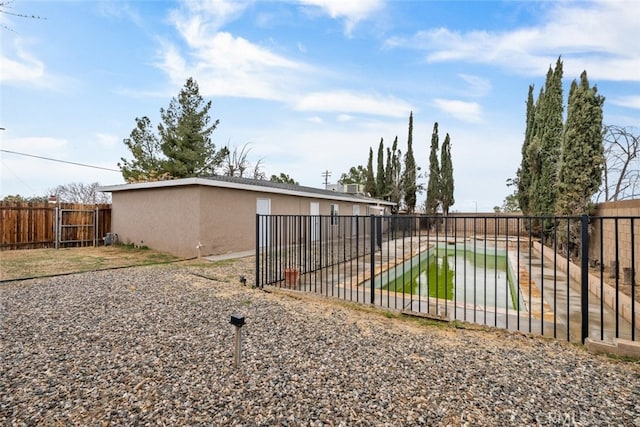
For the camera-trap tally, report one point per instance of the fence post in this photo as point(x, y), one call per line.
point(95, 227)
point(373, 258)
point(584, 277)
point(56, 227)
point(257, 282)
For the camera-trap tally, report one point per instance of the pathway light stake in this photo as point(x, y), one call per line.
point(237, 320)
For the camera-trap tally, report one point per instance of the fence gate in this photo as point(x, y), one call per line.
point(76, 227)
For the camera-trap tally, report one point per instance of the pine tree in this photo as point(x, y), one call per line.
point(370, 182)
point(582, 158)
point(356, 175)
point(185, 133)
point(147, 158)
point(182, 148)
point(433, 185)
point(410, 172)
point(446, 177)
point(380, 179)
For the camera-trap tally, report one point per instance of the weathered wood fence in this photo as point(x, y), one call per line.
point(25, 225)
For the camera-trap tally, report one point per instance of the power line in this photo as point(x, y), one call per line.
point(61, 161)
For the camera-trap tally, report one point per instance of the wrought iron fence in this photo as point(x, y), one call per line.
point(566, 277)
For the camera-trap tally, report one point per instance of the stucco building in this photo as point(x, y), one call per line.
point(208, 216)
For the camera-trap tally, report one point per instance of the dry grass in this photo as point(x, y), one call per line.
point(19, 264)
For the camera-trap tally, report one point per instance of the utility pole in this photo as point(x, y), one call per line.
point(326, 174)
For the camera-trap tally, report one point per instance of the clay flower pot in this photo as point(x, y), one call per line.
point(291, 276)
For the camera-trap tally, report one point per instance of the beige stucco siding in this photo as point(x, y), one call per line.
point(191, 219)
point(227, 220)
point(228, 216)
point(164, 219)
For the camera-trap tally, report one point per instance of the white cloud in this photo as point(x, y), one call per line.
point(22, 68)
point(588, 33)
point(40, 146)
point(224, 64)
point(477, 86)
point(353, 102)
point(632, 101)
point(351, 11)
point(119, 10)
point(199, 17)
point(344, 118)
point(107, 140)
point(465, 111)
point(315, 119)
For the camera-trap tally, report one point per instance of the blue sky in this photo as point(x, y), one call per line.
point(310, 85)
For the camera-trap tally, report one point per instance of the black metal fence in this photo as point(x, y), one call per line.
point(566, 277)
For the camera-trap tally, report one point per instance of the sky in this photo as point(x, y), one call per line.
point(307, 86)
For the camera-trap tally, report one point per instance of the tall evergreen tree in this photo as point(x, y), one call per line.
point(446, 177)
point(183, 146)
point(356, 175)
point(533, 156)
point(147, 157)
point(395, 194)
point(380, 179)
point(185, 133)
point(545, 193)
point(370, 180)
point(582, 158)
point(523, 180)
point(388, 175)
point(410, 174)
point(433, 185)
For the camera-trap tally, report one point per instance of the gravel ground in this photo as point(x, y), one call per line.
point(153, 346)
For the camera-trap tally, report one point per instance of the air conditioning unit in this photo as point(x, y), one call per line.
point(353, 188)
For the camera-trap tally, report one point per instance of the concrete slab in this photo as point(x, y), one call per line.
point(619, 347)
point(230, 255)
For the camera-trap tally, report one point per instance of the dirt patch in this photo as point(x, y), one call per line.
point(19, 264)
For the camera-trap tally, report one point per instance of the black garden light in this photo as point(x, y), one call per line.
point(237, 320)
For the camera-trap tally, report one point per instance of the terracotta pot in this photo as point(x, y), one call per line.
point(291, 276)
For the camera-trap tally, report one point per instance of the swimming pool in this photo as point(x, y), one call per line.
point(456, 272)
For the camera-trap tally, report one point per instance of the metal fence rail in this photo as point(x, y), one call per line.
point(556, 276)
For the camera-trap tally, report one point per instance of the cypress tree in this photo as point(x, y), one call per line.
point(550, 143)
point(446, 177)
point(533, 156)
point(370, 181)
point(396, 178)
point(433, 185)
point(524, 172)
point(388, 175)
point(380, 180)
point(410, 172)
point(582, 158)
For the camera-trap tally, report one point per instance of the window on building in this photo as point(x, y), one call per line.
point(334, 214)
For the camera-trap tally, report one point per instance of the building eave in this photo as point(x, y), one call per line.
point(243, 186)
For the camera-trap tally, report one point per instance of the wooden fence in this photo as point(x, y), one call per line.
point(25, 225)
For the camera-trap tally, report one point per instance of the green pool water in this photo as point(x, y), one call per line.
point(456, 273)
